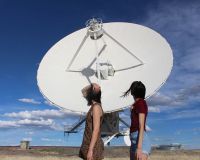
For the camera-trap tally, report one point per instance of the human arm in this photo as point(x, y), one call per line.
point(141, 110)
point(96, 113)
point(140, 137)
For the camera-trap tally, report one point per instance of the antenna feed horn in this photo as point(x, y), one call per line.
point(94, 27)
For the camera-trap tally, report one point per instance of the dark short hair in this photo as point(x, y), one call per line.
point(137, 89)
point(93, 96)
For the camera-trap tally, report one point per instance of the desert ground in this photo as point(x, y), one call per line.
point(71, 153)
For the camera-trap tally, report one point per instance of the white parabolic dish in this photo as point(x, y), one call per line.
point(63, 88)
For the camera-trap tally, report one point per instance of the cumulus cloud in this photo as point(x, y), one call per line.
point(193, 91)
point(44, 114)
point(194, 113)
point(159, 99)
point(8, 124)
point(163, 100)
point(27, 100)
point(178, 98)
point(48, 124)
point(41, 122)
point(179, 24)
point(154, 109)
point(48, 119)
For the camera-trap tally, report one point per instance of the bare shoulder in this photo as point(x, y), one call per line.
point(97, 109)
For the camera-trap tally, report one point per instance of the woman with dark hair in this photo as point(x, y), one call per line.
point(92, 145)
point(140, 143)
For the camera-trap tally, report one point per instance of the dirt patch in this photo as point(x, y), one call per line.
point(111, 153)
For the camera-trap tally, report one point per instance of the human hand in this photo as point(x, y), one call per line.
point(90, 154)
point(139, 154)
point(96, 87)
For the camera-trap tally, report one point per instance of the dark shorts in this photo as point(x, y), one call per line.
point(146, 144)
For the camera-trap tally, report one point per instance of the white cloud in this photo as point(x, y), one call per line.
point(51, 140)
point(22, 114)
point(179, 23)
point(179, 98)
point(48, 124)
point(41, 122)
point(27, 100)
point(193, 91)
point(194, 113)
point(39, 119)
point(45, 114)
point(163, 100)
point(8, 124)
point(27, 139)
point(148, 128)
point(159, 99)
point(154, 109)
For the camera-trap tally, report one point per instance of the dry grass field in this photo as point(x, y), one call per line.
point(71, 153)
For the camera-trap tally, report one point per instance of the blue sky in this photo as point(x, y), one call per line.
point(29, 28)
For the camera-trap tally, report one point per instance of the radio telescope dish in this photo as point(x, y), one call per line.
point(111, 54)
